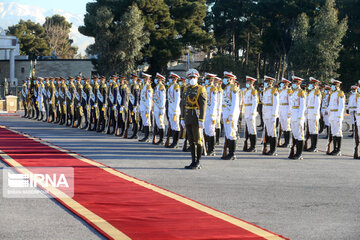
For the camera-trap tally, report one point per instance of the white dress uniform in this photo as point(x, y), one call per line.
point(270, 110)
point(230, 110)
point(324, 106)
point(159, 105)
point(211, 110)
point(220, 93)
point(250, 109)
point(146, 101)
point(352, 107)
point(284, 101)
point(40, 97)
point(313, 101)
point(174, 99)
point(357, 111)
point(297, 114)
point(336, 112)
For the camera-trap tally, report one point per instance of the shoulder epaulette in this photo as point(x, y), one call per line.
point(162, 87)
point(254, 92)
point(357, 95)
point(213, 89)
point(149, 87)
point(274, 90)
point(201, 89)
point(233, 88)
point(176, 86)
point(289, 91)
point(185, 88)
point(317, 92)
point(341, 94)
point(301, 93)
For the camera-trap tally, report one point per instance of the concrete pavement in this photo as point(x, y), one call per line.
point(316, 198)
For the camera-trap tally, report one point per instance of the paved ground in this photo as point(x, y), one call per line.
point(316, 198)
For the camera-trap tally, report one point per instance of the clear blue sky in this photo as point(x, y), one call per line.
point(72, 6)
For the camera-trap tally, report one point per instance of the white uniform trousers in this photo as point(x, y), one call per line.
point(313, 126)
point(270, 126)
point(159, 120)
point(218, 120)
point(336, 127)
point(231, 129)
point(174, 121)
point(297, 129)
point(251, 125)
point(285, 123)
point(209, 126)
point(145, 117)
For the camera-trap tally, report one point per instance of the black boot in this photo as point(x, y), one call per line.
point(146, 137)
point(211, 146)
point(198, 156)
point(273, 143)
point(327, 133)
point(287, 139)
point(86, 124)
point(313, 148)
point(62, 119)
point(217, 133)
point(193, 157)
point(232, 149)
point(299, 150)
point(41, 116)
point(79, 120)
point(95, 124)
point(175, 139)
point(134, 136)
point(161, 140)
point(113, 127)
point(252, 143)
point(337, 146)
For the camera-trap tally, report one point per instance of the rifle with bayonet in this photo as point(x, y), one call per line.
point(356, 135)
point(245, 148)
point(307, 136)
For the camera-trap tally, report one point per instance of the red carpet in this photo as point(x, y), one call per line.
point(123, 207)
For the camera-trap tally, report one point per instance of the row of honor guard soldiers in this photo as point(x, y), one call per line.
point(200, 111)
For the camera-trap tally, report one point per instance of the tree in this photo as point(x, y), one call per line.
point(118, 44)
point(328, 33)
point(171, 24)
point(32, 38)
point(300, 54)
point(57, 29)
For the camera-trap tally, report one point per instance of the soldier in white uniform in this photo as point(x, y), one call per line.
point(270, 113)
point(324, 106)
point(284, 118)
point(146, 102)
point(351, 107)
point(174, 99)
point(219, 109)
point(40, 98)
point(297, 116)
point(211, 112)
point(313, 101)
point(251, 101)
point(336, 115)
point(230, 113)
point(159, 106)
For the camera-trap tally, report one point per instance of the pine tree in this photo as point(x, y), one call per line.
point(32, 38)
point(328, 33)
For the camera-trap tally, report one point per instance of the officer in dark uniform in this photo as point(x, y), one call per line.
point(51, 100)
point(102, 104)
point(78, 100)
point(193, 115)
point(57, 100)
point(70, 101)
point(133, 103)
point(94, 113)
point(86, 101)
point(122, 105)
point(63, 102)
point(112, 97)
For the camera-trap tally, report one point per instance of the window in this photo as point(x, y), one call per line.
point(22, 70)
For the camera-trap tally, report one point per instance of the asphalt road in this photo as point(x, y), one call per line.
point(315, 198)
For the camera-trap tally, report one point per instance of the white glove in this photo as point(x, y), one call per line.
point(95, 105)
point(162, 112)
point(135, 110)
point(182, 123)
point(201, 124)
point(121, 109)
point(114, 107)
point(50, 102)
